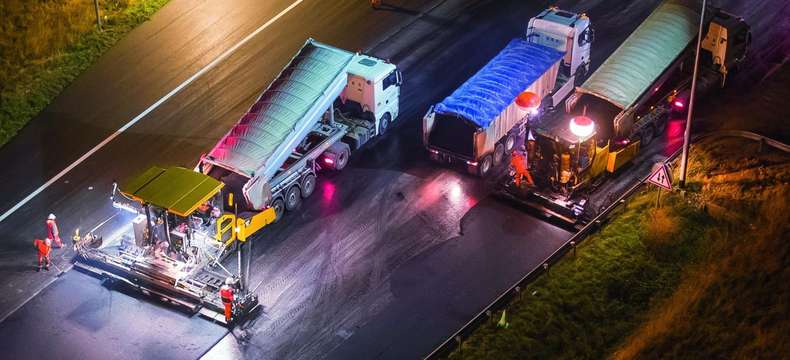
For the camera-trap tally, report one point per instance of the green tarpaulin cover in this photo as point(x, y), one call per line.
point(176, 189)
point(312, 80)
point(647, 52)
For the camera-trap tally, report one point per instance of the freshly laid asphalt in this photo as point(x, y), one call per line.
point(385, 260)
point(78, 318)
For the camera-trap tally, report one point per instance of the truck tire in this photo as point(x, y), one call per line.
point(342, 158)
point(485, 166)
point(293, 198)
point(308, 185)
point(499, 153)
point(647, 135)
point(384, 123)
point(279, 209)
point(661, 124)
point(341, 152)
point(510, 142)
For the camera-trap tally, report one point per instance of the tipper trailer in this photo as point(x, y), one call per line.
point(623, 105)
point(178, 224)
point(272, 155)
point(479, 122)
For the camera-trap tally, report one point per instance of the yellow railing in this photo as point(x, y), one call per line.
point(240, 228)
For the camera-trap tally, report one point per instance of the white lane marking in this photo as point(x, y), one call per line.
point(151, 108)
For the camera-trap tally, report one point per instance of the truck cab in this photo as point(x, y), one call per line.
point(567, 32)
point(372, 91)
point(726, 43)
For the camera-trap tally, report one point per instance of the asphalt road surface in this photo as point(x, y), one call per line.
point(384, 261)
point(77, 318)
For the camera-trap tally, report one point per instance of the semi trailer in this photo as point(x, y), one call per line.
point(326, 103)
point(479, 122)
point(176, 225)
point(624, 105)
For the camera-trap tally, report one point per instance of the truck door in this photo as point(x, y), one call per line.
point(387, 95)
point(581, 52)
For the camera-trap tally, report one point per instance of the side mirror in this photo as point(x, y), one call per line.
point(399, 77)
point(591, 35)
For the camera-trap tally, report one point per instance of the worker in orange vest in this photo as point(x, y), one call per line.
point(43, 248)
point(519, 163)
point(226, 292)
point(52, 231)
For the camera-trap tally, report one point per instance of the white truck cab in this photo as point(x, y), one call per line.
point(568, 32)
point(373, 90)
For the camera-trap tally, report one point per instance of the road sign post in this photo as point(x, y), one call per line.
point(661, 178)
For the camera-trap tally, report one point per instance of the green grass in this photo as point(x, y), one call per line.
point(45, 45)
point(734, 303)
point(705, 276)
point(589, 302)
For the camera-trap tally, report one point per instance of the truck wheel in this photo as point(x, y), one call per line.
point(340, 153)
point(485, 166)
point(384, 124)
point(510, 142)
point(293, 198)
point(499, 153)
point(342, 158)
point(662, 123)
point(308, 185)
point(647, 135)
point(279, 209)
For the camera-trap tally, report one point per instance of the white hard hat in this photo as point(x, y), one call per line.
point(229, 281)
point(51, 217)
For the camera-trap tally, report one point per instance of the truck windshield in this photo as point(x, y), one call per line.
point(548, 39)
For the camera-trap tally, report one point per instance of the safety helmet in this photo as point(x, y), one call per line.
point(229, 281)
point(51, 217)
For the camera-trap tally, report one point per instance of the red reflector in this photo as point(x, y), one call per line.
point(678, 104)
point(329, 161)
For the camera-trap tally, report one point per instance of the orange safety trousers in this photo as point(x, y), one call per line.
point(44, 249)
point(520, 167)
point(226, 293)
point(228, 311)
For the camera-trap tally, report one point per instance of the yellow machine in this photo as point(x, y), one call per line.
point(180, 226)
point(625, 104)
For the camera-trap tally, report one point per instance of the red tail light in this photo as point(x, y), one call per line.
point(329, 161)
point(678, 104)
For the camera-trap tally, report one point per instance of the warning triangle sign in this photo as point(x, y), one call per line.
point(660, 177)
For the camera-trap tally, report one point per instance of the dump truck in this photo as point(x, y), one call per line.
point(478, 124)
point(176, 225)
point(623, 105)
point(326, 103)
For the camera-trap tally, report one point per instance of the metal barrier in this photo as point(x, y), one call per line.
point(446, 347)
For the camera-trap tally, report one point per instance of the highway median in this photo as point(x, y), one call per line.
point(44, 46)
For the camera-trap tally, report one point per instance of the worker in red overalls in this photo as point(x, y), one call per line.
point(52, 231)
point(519, 163)
point(43, 248)
point(226, 292)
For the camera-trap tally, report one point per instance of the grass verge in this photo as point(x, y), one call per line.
point(734, 303)
point(45, 45)
point(701, 277)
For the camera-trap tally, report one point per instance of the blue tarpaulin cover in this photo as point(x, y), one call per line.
point(489, 92)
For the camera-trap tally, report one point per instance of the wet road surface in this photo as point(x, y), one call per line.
point(385, 260)
point(76, 318)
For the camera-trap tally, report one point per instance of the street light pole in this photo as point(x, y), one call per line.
point(98, 18)
point(687, 133)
